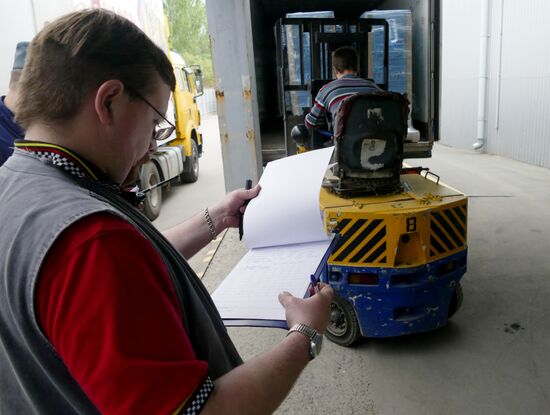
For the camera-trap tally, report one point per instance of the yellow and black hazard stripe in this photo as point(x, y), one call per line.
point(448, 230)
point(362, 241)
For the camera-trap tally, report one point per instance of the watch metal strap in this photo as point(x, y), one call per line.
point(315, 339)
point(305, 329)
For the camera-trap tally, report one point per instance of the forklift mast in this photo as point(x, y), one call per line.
point(304, 49)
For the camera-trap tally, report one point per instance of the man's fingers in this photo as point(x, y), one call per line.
point(284, 298)
point(326, 290)
point(245, 195)
point(252, 193)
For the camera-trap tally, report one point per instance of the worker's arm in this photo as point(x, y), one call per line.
point(317, 115)
point(261, 384)
point(191, 236)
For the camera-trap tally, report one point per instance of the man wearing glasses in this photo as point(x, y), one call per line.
point(99, 312)
point(163, 129)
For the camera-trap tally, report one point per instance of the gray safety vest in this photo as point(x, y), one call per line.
point(38, 202)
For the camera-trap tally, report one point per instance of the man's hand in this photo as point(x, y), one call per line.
point(191, 236)
point(227, 212)
point(313, 311)
point(260, 385)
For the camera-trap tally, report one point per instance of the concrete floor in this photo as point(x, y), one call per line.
point(492, 357)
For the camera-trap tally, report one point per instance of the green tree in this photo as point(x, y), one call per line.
point(189, 34)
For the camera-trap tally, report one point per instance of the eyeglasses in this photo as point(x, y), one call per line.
point(160, 133)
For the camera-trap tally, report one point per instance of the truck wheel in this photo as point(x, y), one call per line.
point(153, 199)
point(191, 166)
point(456, 300)
point(343, 328)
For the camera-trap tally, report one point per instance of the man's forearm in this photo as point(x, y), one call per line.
point(261, 384)
point(191, 236)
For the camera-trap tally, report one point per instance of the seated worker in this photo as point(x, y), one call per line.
point(9, 129)
point(345, 65)
point(99, 311)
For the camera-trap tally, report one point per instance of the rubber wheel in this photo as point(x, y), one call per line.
point(190, 172)
point(343, 328)
point(456, 300)
point(153, 199)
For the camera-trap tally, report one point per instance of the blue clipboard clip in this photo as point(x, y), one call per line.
point(320, 274)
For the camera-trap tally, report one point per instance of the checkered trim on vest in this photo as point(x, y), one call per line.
point(60, 161)
point(63, 159)
point(200, 398)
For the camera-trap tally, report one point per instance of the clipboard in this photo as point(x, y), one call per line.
point(320, 274)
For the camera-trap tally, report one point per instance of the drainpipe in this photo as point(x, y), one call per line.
point(33, 9)
point(499, 76)
point(483, 76)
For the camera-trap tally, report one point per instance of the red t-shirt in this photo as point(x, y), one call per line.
point(106, 302)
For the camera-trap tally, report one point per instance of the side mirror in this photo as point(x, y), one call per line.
point(199, 88)
point(300, 135)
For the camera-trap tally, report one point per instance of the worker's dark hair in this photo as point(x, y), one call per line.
point(78, 52)
point(345, 59)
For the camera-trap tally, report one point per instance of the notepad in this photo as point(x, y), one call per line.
point(283, 229)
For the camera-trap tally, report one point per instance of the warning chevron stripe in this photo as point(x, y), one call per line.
point(360, 240)
point(448, 230)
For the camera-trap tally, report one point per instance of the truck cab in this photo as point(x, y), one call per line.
point(187, 115)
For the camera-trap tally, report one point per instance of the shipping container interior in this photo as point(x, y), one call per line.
point(422, 58)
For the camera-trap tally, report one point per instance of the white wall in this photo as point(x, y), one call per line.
point(460, 31)
point(518, 88)
point(519, 109)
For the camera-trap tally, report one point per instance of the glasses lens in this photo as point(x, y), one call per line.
point(163, 133)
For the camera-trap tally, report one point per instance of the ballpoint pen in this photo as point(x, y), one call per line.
point(314, 286)
point(247, 186)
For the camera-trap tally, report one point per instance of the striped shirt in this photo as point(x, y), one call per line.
point(332, 94)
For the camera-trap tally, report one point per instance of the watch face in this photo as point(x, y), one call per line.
point(315, 345)
point(315, 339)
point(319, 343)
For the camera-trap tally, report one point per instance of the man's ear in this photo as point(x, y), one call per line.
point(107, 96)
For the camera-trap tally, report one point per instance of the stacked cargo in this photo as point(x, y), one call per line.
point(400, 55)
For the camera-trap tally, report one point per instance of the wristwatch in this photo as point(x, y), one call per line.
point(315, 339)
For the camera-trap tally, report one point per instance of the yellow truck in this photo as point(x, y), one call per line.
point(177, 157)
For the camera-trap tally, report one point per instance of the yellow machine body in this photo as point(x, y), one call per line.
point(426, 222)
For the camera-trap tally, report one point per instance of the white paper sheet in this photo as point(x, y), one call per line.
point(251, 289)
point(287, 209)
point(284, 230)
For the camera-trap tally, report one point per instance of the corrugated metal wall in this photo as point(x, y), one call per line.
point(459, 71)
point(518, 88)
